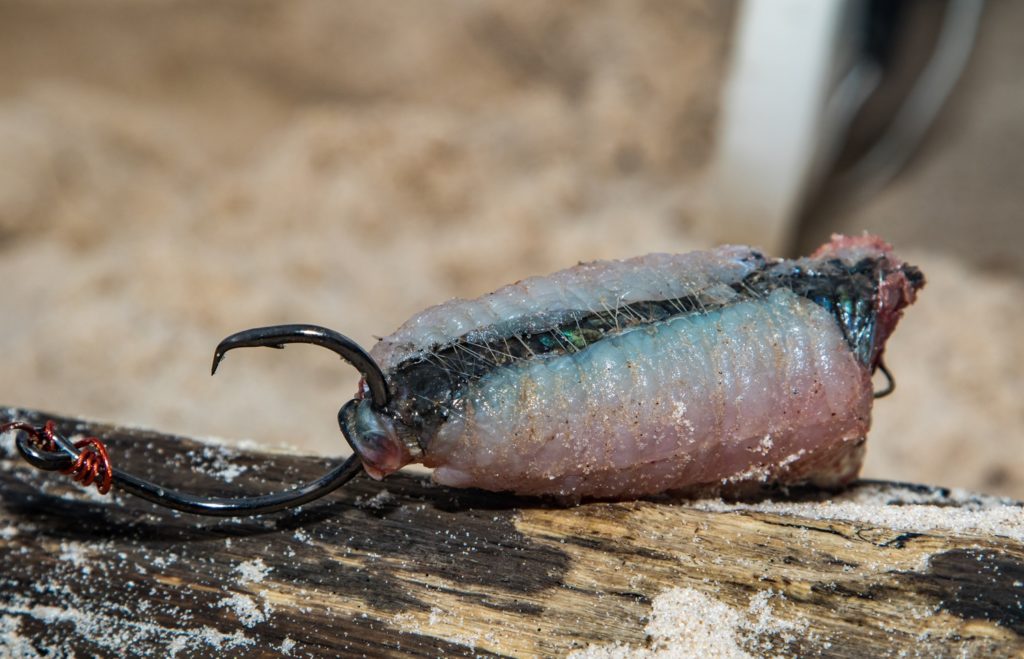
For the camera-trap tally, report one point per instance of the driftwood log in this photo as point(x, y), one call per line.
point(405, 567)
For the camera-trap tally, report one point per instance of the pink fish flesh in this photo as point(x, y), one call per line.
point(717, 371)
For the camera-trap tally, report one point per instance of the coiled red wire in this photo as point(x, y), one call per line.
point(91, 467)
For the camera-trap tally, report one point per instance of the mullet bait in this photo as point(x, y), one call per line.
point(709, 372)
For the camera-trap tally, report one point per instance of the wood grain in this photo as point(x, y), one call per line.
point(405, 567)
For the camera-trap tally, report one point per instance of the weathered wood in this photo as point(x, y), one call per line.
point(408, 568)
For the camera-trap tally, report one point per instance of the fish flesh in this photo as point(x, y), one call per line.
point(720, 371)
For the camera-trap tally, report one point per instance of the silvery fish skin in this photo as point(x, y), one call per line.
point(717, 371)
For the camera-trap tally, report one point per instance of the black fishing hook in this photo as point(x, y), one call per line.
point(46, 449)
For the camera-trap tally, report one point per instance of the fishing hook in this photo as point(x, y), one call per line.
point(87, 460)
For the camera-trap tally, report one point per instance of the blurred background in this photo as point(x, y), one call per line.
point(172, 171)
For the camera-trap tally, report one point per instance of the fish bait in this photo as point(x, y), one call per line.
point(721, 371)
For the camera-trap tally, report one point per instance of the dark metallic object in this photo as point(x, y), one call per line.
point(46, 449)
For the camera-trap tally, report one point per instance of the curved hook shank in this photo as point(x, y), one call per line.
point(278, 336)
point(255, 505)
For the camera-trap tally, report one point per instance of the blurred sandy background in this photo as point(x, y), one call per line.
point(172, 171)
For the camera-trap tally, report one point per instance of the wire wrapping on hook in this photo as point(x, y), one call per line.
point(91, 466)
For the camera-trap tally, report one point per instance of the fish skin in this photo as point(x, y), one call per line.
point(584, 286)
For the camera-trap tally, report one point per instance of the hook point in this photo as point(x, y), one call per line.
point(217, 356)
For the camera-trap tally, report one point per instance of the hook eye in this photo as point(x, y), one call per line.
point(40, 459)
